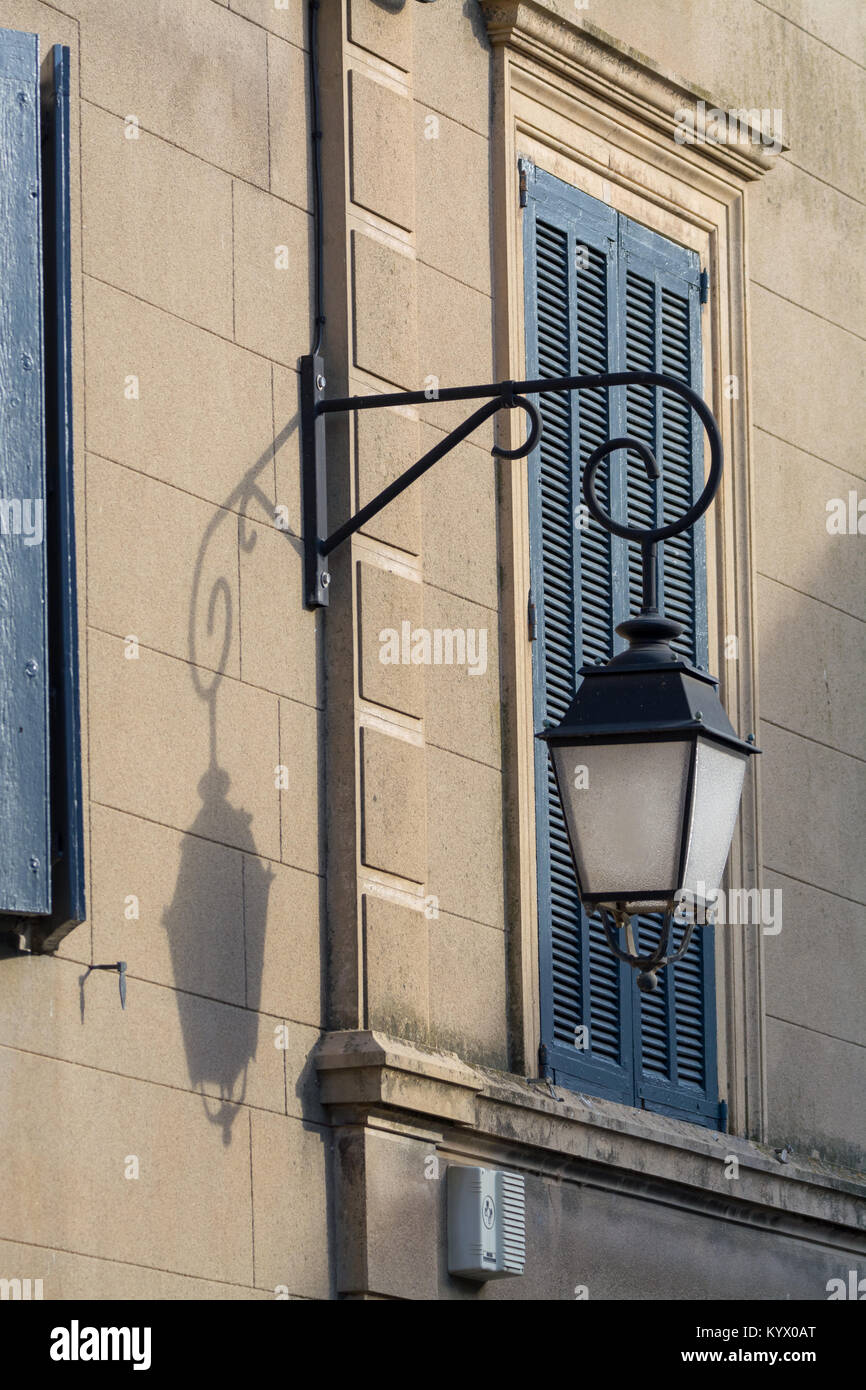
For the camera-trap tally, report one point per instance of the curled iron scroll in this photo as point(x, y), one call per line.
point(534, 429)
point(651, 535)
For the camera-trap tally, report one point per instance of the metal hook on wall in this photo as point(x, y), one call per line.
point(120, 967)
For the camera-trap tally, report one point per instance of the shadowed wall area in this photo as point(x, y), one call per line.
point(216, 1060)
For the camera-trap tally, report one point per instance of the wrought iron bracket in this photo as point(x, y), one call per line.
point(503, 395)
point(614, 919)
point(649, 624)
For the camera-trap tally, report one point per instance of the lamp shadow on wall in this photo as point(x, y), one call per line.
point(220, 1038)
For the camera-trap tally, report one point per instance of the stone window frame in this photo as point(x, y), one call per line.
point(602, 117)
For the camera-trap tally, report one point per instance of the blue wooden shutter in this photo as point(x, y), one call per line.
point(571, 320)
point(41, 832)
point(603, 293)
point(67, 888)
point(25, 844)
point(659, 294)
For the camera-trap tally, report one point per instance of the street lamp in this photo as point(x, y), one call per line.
point(648, 767)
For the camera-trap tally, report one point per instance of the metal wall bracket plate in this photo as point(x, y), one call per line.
point(314, 483)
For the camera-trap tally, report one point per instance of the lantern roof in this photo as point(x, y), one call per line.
point(647, 691)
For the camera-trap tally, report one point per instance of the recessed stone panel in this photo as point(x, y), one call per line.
point(396, 962)
point(390, 612)
point(385, 311)
point(455, 326)
point(381, 150)
point(461, 684)
point(387, 32)
point(394, 834)
point(387, 443)
point(465, 834)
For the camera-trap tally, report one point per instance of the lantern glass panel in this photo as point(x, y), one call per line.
point(625, 806)
point(719, 773)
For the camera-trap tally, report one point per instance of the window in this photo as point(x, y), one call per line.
point(605, 294)
point(41, 847)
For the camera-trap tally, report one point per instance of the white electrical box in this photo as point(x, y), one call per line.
point(486, 1222)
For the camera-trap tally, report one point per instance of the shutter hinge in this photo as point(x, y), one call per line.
point(521, 170)
point(723, 1117)
point(531, 618)
point(545, 1074)
point(705, 286)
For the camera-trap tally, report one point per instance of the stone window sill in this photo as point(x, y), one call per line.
point(370, 1078)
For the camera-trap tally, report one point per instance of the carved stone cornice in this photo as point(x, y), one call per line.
point(369, 1077)
point(584, 56)
point(370, 1069)
point(401, 1114)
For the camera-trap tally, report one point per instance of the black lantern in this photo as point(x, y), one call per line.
point(648, 766)
point(650, 774)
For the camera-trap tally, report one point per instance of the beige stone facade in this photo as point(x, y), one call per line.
point(320, 868)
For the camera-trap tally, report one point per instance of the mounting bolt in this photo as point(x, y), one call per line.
point(326, 579)
point(34, 864)
point(320, 382)
point(699, 716)
point(31, 668)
